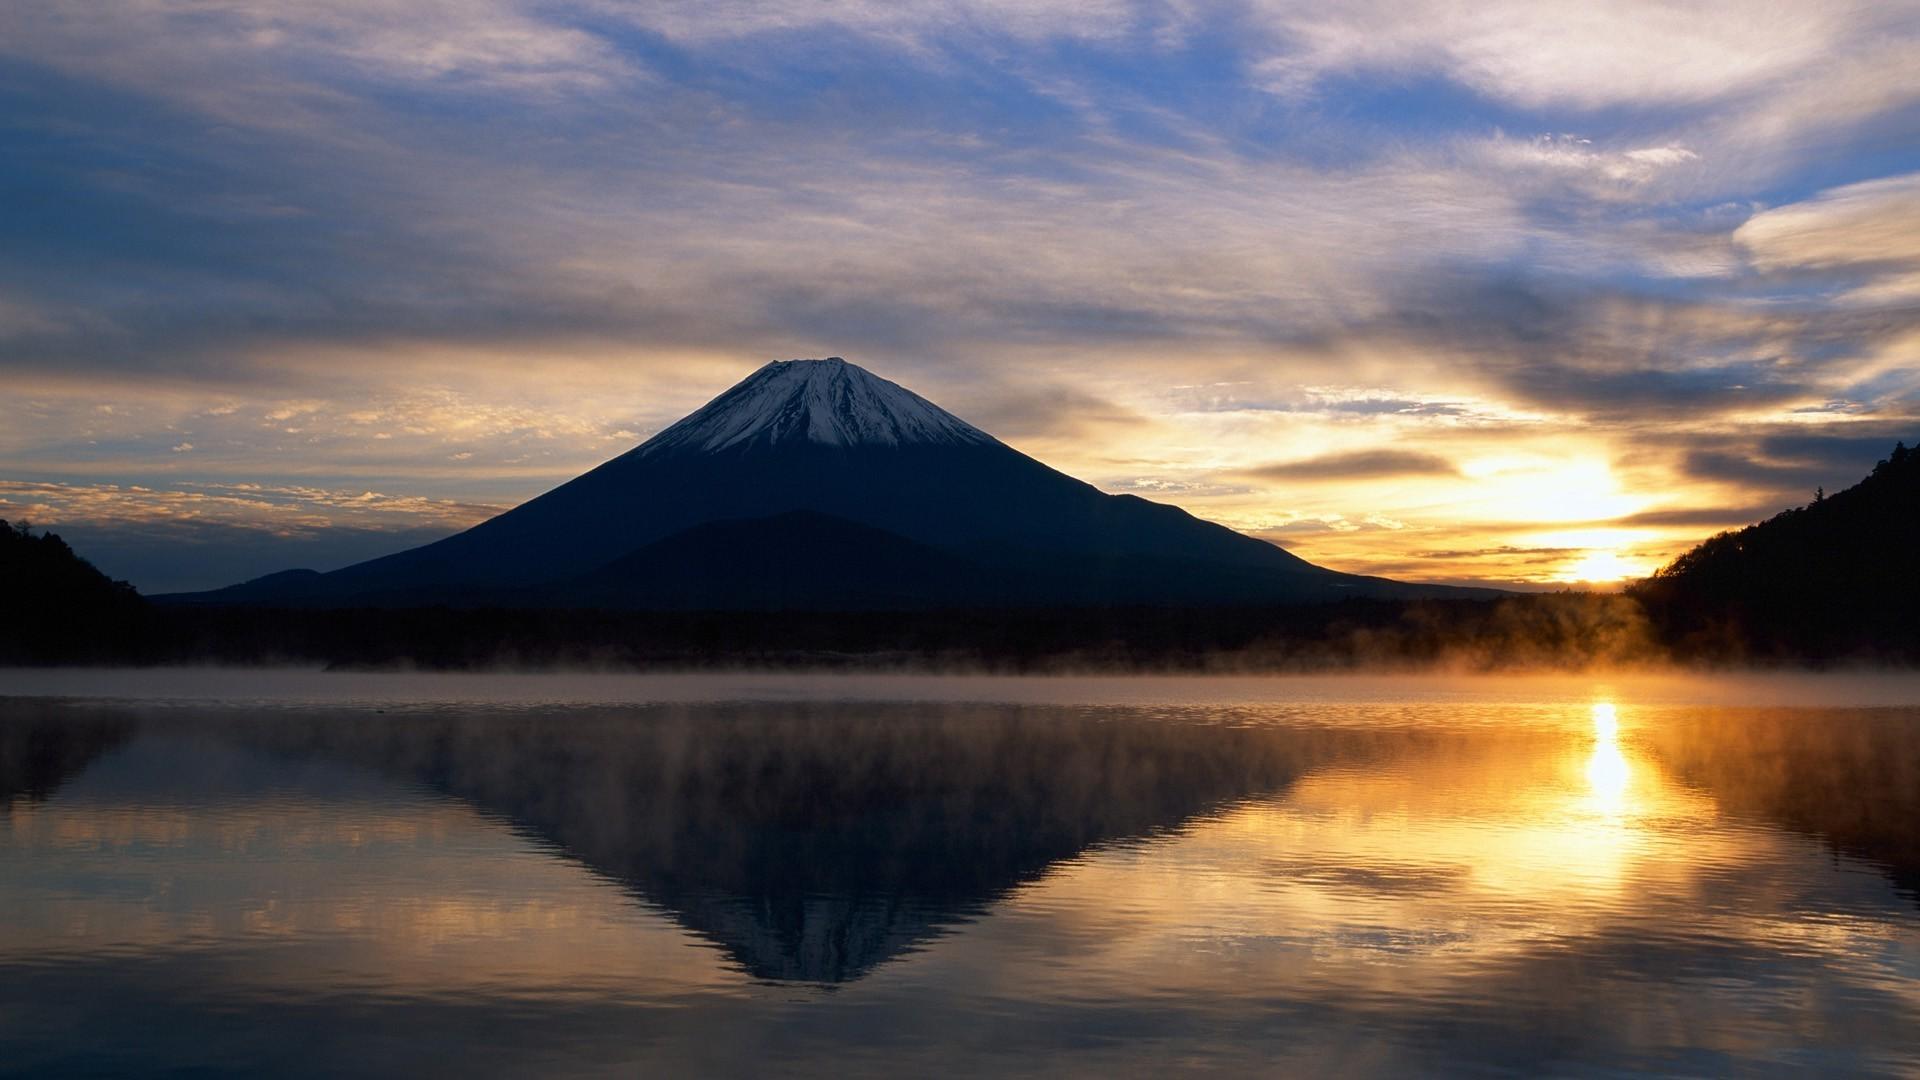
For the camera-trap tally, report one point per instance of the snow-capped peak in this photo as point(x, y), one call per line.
point(829, 401)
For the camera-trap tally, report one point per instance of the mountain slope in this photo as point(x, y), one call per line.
point(800, 560)
point(60, 607)
point(826, 437)
point(1837, 577)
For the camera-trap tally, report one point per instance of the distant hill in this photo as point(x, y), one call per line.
point(59, 608)
point(1836, 579)
point(816, 484)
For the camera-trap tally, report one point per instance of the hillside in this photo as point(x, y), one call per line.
point(61, 608)
point(1836, 579)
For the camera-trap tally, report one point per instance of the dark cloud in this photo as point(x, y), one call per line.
point(1357, 465)
point(1751, 472)
point(1791, 460)
point(1644, 352)
point(1297, 528)
point(1019, 411)
point(1841, 451)
point(1702, 516)
point(1504, 552)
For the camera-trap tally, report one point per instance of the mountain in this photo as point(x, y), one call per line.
point(1837, 578)
point(791, 561)
point(826, 487)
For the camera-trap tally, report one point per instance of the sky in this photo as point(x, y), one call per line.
point(1522, 293)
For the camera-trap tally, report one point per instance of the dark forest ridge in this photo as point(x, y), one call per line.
point(817, 485)
point(60, 607)
point(1839, 577)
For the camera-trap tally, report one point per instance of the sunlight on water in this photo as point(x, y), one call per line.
point(1606, 722)
point(1608, 773)
point(1593, 882)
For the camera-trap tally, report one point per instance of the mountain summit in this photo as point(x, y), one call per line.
point(830, 402)
point(817, 485)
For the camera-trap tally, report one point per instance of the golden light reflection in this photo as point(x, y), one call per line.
point(1608, 773)
point(1412, 876)
point(1606, 721)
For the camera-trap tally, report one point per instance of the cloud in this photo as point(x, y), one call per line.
point(1584, 55)
point(291, 51)
point(1757, 473)
point(1718, 516)
point(1358, 465)
point(1160, 488)
point(281, 509)
point(1875, 223)
point(1595, 171)
point(1057, 409)
point(915, 22)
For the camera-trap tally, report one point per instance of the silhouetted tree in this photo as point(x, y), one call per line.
point(1837, 578)
point(62, 609)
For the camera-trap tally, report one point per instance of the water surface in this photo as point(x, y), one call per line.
point(298, 873)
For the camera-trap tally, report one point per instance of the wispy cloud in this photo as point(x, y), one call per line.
point(284, 510)
point(1568, 54)
point(1357, 464)
point(1871, 229)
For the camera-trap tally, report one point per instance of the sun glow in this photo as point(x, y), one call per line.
point(1601, 566)
point(1550, 492)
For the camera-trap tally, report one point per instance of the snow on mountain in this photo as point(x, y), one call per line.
point(829, 401)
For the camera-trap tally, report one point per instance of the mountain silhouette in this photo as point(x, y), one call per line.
point(797, 472)
point(750, 565)
point(61, 607)
point(1837, 578)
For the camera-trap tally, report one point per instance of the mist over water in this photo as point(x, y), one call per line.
point(300, 873)
point(243, 685)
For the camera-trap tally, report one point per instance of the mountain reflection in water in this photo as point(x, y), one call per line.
point(1437, 887)
point(810, 841)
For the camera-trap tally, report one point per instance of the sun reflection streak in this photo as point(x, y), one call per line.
point(1608, 773)
point(1606, 721)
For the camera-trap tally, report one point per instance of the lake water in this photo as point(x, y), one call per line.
point(297, 873)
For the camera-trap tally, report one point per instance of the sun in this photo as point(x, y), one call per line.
point(1601, 565)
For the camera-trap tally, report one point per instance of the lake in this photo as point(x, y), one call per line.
point(297, 873)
